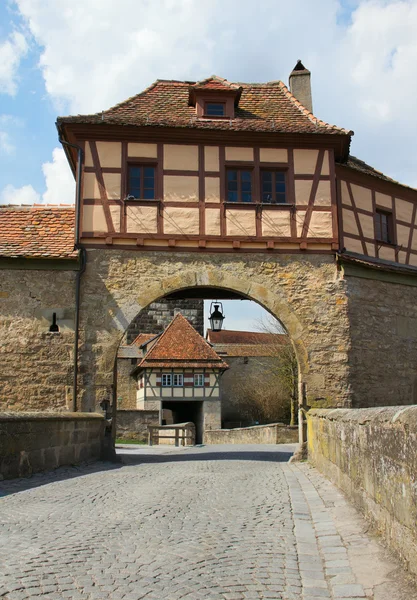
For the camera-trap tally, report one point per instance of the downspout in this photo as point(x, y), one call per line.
point(83, 262)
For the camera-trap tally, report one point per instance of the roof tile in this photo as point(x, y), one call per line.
point(37, 231)
point(180, 345)
point(267, 107)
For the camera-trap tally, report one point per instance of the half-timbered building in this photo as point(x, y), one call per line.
point(179, 372)
point(192, 189)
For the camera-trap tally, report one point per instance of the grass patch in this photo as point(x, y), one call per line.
point(123, 441)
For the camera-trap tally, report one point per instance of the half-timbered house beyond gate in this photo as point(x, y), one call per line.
point(194, 189)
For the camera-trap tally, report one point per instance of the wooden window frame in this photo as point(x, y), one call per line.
point(273, 171)
point(142, 165)
point(168, 380)
point(199, 377)
point(239, 185)
point(224, 104)
point(390, 226)
point(180, 382)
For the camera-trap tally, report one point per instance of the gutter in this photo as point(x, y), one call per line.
point(83, 262)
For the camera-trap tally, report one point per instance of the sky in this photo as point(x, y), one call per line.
point(59, 58)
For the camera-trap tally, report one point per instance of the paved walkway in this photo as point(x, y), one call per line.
point(219, 522)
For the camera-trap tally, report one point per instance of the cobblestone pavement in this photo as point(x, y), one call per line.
point(217, 522)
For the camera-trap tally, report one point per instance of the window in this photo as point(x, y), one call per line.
point(215, 109)
point(273, 187)
point(172, 379)
point(141, 182)
point(383, 226)
point(239, 185)
point(199, 380)
point(166, 380)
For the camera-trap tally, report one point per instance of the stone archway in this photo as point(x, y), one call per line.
point(304, 293)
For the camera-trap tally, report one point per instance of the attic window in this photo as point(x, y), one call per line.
point(215, 109)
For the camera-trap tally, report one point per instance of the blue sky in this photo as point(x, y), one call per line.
point(64, 58)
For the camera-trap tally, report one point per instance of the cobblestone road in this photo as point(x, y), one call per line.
point(230, 523)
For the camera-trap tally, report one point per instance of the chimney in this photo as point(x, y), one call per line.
point(300, 85)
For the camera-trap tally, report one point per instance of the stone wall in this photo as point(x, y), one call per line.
point(133, 424)
point(304, 292)
point(371, 455)
point(35, 365)
point(355, 338)
point(126, 385)
point(274, 433)
point(383, 350)
point(32, 442)
point(158, 315)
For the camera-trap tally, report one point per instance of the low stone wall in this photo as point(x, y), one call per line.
point(274, 433)
point(371, 455)
point(32, 442)
point(178, 434)
point(133, 424)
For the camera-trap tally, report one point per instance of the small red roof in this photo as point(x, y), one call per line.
point(245, 337)
point(37, 231)
point(142, 338)
point(180, 345)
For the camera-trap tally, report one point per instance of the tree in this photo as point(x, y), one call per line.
point(268, 390)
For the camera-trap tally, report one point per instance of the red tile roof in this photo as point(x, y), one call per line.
point(359, 165)
point(37, 231)
point(245, 337)
point(142, 338)
point(266, 107)
point(181, 346)
point(246, 343)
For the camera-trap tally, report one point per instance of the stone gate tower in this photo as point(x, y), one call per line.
point(198, 186)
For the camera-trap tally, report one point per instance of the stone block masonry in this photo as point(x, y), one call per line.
point(383, 350)
point(158, 315)
point(32, 442)
point(133, 424)
point(274, 433)
point(305, 293)
point(36, 366)
point(370, 454)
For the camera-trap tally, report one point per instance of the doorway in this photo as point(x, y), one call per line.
point(182, 412)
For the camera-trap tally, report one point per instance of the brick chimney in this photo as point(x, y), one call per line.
point(300, 85)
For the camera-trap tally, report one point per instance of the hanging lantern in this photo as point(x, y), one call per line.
point(216, 317)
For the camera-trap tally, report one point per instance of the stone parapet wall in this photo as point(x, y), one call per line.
point(133, 424)
point(274, 433)
point(371, 455)
point(32, 442)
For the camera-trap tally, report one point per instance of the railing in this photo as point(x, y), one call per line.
point(172, 434)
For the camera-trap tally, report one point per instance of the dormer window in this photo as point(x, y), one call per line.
point(214, 98)
point(215, 109)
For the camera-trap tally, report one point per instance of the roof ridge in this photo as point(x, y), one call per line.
point(222, 80)
point(37, 206)
point(164, 332)
point(315, 120)
point(180, 317)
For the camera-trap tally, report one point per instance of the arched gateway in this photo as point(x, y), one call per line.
point(304, 293)
point(212, 185)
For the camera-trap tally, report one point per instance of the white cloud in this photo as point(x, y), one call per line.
point(12, 50)
point(6, 146)
point(59, 182)
point(23, 195)
point(96, 53)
